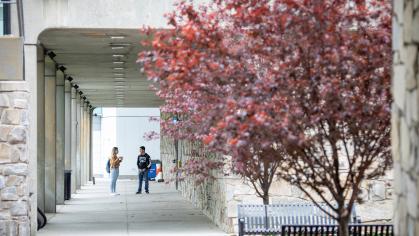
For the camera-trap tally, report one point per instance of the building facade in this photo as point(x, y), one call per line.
point(45, 120)
point(405, 117)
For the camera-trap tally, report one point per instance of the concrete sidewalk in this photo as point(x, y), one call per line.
point(92, 211)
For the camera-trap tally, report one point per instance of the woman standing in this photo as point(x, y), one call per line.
point(115, 161)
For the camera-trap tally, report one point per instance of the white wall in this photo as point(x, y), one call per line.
point(124, 128)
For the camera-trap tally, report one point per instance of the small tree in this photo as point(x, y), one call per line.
point(303, 83)
point(329, 66)
point(202, 75)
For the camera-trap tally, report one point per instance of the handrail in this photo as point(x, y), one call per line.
point(42, 219)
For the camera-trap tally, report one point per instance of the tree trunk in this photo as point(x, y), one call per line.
point(265, 199)
point(343, 226)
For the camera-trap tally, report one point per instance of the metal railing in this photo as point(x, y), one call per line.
point(262, 219)
point(332, 230)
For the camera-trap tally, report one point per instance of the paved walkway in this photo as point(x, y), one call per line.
point(92, 211)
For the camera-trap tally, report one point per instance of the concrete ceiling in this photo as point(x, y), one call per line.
point(92, 58)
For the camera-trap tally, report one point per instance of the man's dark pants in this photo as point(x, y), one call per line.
point(143, 175)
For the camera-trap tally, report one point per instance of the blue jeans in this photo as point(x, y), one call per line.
point(142, 174)
point(114, 177)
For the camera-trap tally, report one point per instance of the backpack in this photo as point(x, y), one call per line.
point(108, 166)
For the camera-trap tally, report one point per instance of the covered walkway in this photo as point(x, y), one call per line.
point(92, 211)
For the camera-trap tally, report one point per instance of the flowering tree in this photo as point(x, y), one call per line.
point(201, 73)
point(337, 126)
point(299, 86)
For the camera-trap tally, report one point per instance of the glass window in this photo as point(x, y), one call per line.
point(1, 19)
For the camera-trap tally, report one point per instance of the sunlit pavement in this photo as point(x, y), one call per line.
point(92, 211)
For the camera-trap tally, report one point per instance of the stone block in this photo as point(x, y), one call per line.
point(6, 204)
point(395, 133)
point(23, 156)
point(17, 135)
point(8, 228)
point(411, 227)
point(9, 194)
point(375, 211)
point(400, 216)
point(417, 226)
point(241, 188)
point(5, 215)
point(13, 86)
point(405, 145)
point(411, 82)
point(397, 40)
point(363, 195)
point(411, 197)
point(21, 104)
point(296, 192)
point(407, 21)
point(396, 58)
point(11, 117)
point(14, 155)
point(411, 55)
point(16, 169)
point(415, 25)
point(389, 189)
point(378, 191)
point(22, 190)
point(24, 117)
point(398, 9)
point(19, 208)
point(229, 194)
point(5, 152)
point(232, 208)
point(14, 180)
point(399, 85)
point(398, 186)
point(412, 109)
point(2, 182)
point(4, 132)
point(24, 229)
point(4, 101)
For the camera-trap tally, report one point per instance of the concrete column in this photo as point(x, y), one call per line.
point(73, 148)
point(86, 163)
point(39, 113)
point(67, 118)
point(60, 137)
point(89, 164)
point(34, 75)
point(91, 144)
point(87, 140)
point(82, 140)
point(78, 136)
point(50, 138)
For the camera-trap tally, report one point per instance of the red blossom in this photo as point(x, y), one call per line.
point(295, 85)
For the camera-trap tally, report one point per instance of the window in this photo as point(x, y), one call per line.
point(4, 18)
point(1, 19)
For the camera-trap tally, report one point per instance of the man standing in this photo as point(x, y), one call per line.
point(143, 164)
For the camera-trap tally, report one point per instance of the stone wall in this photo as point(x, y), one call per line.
point(14, 189)
point(405, 116)
point(218, 198)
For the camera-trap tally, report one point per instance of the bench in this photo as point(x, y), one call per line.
point(269, 219)
point(353, 229)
